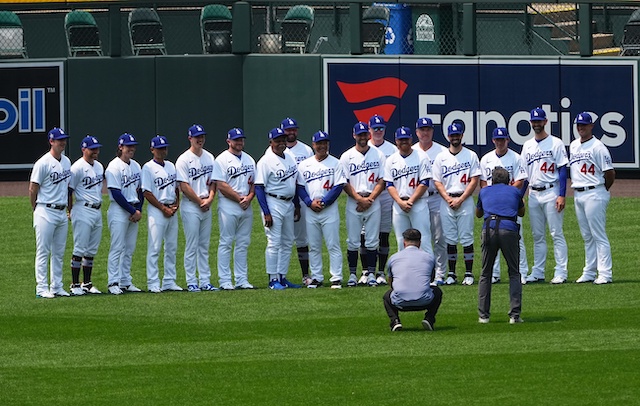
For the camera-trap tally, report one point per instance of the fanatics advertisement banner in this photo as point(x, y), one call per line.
point(484, 94)
point(31, 103)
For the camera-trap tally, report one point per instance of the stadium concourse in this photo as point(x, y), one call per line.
point(621, 188)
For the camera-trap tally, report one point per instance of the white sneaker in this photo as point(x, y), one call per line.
point(172, 288)
point(130, 288)
point(115, 289)
point(245, 285)
point(353, 281)
point(584, 279)
point(227, 286)
point(468, 280)
point(363, 279)
point(482, 320)
point(155, 289)
point(89, 288)
point(601, 280)
point(381, 280)
point(495, 279)
point(532, 279)
point(451, 281)
point(61, 292)
point(523, 280)
point(558, 280)
point(45, 294)
point(371, 280)
point(515, 320)
point(76, 290)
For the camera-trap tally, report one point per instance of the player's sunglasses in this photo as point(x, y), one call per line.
point(378, 129)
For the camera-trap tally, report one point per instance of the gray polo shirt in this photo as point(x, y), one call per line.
point(411, 271)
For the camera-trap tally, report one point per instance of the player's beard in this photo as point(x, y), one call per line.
point(538, 127)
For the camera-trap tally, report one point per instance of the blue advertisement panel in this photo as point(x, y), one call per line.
point(31, 103)
point(485, 94)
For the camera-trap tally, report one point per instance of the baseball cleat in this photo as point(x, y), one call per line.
point(396, 325)
point(483, 320)
point(285, 282)
point(426, 324)
point(131, 288)
point(381, 280)
point(306, 280)
point(208, 287)
point(584, 279)
point(155, 289)
point(515, 320)
point(193, 288)
point(275, 284)
point(438, 282)
point(353, 281)
point(451, 280)
point(89, 288)
point(114, 289)
point(336, 285)
point(314, 284)
point(557, 280)
point(371, 280)
point(523, 280)
point(227, 286)
point(45, 294)
point(468, 280)
point(363, 279)
point(495, 279)
point(61, 292)
point(601, 280)
point(534, 279)
point(245, 285)
point(76, 290)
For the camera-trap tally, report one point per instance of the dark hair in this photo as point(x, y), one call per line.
point(411, 234)
point(500, 175)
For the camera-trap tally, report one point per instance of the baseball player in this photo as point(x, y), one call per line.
point(275, 188)
point(506, 158)
point(300, 152)
point(407, 173)
point(124, 213)
point(194, 175)
point(161, 191)
point(592, 175)
point(363, 166)
point(455, 173)
point(377, 129)
point(320, 182)
point(49, 196)
point(546, 159)
point(87, 176)
point(234, 173)
point(424, 131)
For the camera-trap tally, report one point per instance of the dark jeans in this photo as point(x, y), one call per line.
point(507, 242)
point(431, 308)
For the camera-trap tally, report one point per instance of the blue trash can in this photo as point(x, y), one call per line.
point(399, 36)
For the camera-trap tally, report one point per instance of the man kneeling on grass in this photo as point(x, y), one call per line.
point(410, 272)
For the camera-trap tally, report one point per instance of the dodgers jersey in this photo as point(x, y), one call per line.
point(278, 175)
point(124, 177)
point(363, 170)
point(319, 177)
point(431, 154)
point(406, 173)
point(386, 148)
point(543, 160)
point(588, 162)
point(160, 180)
point(455, 171)
point(300, 151)
point(86, 181)
point(239, 172)
point(196, 171)
point(511, 161)
point(53, 176)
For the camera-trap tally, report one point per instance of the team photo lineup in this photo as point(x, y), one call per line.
point(422, 190)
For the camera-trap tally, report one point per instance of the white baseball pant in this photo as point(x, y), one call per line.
point(369, 219)
point(437, 237)
point(279, 236)
point(51, 227)
point(87, 230)
point(197, 234)
point(124, 234)
point(161, 228)
point(418, 218)
point(542, 211)
point(327, 224)
point(235, 224)
point(457, 225)
point(591, 211)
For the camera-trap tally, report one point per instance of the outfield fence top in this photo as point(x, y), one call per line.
point(421, 27)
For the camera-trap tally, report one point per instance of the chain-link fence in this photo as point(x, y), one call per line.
point(386, 28)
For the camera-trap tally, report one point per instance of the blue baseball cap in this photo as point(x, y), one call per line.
point(424, 122)
point(455, 129)
point(276, 132)
point(235, 133)
point(377, 121)
point(584, 118)
point(159, 141)
point(538, 114)
point(360, 128)
point(127, 139)
point(288, 123)
point(196, 130)
point(90, 142)
point(500, 132)
point(57, 134)
point(403, 132)
point(320, 136)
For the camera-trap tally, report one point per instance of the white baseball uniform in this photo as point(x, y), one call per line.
point(455, 173)
point(239, 172)
point(406, 174)
point(434, 199)
point(197, 172)
point(543, 159)
point(86, 216)
point(514, 164)
point(124, 233)
point(278, 176)
point(386, 202)
point(363, 171)
point(50, 218)
point(160, 180)
point(588, 162)
point(300, 152)
point(318, 178)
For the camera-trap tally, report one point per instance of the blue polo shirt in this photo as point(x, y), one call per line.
point(411, 272)
point(502, 200)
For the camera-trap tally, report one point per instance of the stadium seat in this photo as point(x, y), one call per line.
point(296, 29)
point(12, 43)
point(215, 24)
point(375, 21)
point(83, 37)
point(631, 39)
point(145, 32)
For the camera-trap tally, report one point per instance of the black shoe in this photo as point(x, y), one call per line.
point(396, 325)
point(314, 284)
point(428, 325)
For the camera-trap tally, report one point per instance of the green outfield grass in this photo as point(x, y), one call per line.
point(579, 344)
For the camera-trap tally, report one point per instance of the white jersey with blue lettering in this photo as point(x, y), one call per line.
point(239, 172)
point(160, 180)
point(363, 170)
point(543, 160)
point(455, 171)
point(386, 148)
point(124, 177)
point(431, 154)
point(53, 176)
point(319, 177)
point(86, 181)
point(588, 162)
point(277, 174)
point(406, 173)
point(196, 171)
point(511, 161)
point(300, 151)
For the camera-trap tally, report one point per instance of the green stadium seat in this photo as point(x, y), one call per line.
point(375, 20)
point(83, 37)
point(215, 26)
point(12, 44)
point(296, 29)
point(145, 32)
